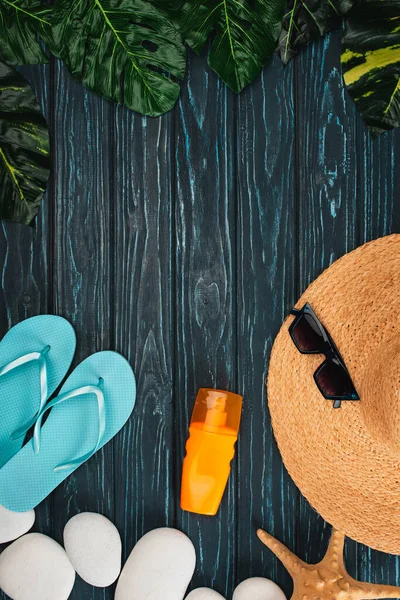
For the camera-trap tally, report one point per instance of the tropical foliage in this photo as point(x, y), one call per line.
point(127, 51)
point(21, 26)
point(306, 20)
point(371, 62)
point(24, 149)
point(134, 52)
point(243, 34)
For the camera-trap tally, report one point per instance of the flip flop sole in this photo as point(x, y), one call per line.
point(20, 388)
point(70, 431)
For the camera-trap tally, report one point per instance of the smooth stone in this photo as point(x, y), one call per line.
point(14, 524)
point(258, 588)
point(94, 547)
point(204, 594)
point(159, 567)
point(35, 567)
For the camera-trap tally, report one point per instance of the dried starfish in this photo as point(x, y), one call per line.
point(328, 578)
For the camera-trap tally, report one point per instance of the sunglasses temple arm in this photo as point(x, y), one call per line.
point(295, 312)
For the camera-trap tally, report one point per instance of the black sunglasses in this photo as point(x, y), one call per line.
point(311, 337)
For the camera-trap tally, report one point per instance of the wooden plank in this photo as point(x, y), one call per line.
point(82, 243)
point(143, 304)
point(329, 211)
point(266, 246)
point(24, 264)
point(205, 293)
point(379, 159)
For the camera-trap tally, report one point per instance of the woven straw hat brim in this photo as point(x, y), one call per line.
point(341, 459)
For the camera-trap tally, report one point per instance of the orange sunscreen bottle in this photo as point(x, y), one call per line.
point(210, 448)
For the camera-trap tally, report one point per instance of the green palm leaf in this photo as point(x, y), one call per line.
point(306, 20)
point(22, 23)
point(244, 34)
point(24, 149)
point(124, 50)
point(371, 61)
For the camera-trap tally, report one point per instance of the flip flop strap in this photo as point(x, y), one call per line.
point(19, 362)
point(81, 391)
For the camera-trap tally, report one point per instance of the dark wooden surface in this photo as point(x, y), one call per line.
point(182, 242)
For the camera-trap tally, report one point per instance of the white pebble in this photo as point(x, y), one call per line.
point(258, 588)
point(159, 567)
point(93, 546)
point(204, 594)
point(14, 524)
point(35, 567)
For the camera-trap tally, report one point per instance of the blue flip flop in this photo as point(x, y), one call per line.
point(93, 405)
point(35, 356)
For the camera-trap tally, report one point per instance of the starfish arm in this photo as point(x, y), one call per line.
point(292, 563)
point(371, 591)
point(334, 554)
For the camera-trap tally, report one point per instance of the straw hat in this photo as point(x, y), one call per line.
point(346, 461)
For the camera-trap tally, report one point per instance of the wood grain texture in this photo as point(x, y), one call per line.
point(266, 266)
point(205, 353)
point(143, 324)
point(182, 242)
point(81, 278)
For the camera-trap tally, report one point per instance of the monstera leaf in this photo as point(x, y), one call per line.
point(125, 50)
point(244, 34)
point(24, 149)
point(22, 22)
point(371, 61)
point(307, 20)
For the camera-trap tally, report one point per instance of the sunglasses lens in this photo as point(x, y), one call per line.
point(334, 381)
point(307, 335)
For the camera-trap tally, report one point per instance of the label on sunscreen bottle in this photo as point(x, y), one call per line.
point(210, 448)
